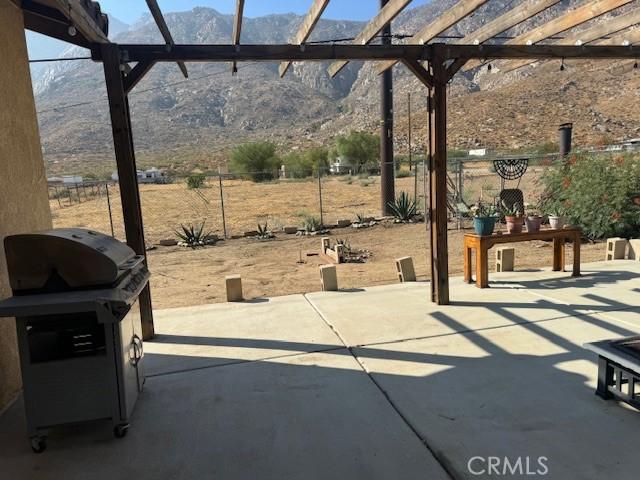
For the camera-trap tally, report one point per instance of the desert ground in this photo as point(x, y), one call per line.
point(182, 276)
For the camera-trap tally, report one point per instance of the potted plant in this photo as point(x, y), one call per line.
point(484, 218)
point(556, 220)
point(533, 220)
point(513, 217)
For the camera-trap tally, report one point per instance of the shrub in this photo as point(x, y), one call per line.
point(306, 164)
point(311, 223)
point(256, 161)
point(404, 174)
point(403, 208)
point(196, 180)
point(594, 193)
point(361, 149)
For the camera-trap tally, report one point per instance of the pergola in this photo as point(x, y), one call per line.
point(433, 59)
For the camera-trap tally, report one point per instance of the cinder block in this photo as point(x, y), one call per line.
point(505, 259)
point(325, 244)
point(406, 272)
point(343, 223)
point(329, 278)
point(634, 249)
point(290, 230)
point(616, 248)
point(234, 288)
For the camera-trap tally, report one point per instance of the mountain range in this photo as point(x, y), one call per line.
point(188, 124)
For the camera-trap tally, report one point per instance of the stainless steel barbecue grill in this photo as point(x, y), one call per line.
point(79, 333)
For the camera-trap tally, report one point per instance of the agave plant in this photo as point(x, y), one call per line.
point(403, 208)
point(263, 231)
point(193, 236)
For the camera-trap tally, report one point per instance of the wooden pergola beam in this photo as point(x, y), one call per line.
point(306, 27)
point(78, 15)
point(384, 16)
point(237, 29)
point(154, 8)
point(629, 37)
point(564, 22)
point(240, 53)
point(445, 21)
point(588, 35)
point(50, 22)
point(133, 77)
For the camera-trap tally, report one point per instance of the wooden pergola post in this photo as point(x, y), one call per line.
point(438, 184)
point(387, 173)
point(126, 164)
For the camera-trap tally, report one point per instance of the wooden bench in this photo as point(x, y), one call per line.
point(482, 244)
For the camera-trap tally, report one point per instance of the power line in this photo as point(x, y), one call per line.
point(66, 59)
point(158, 87)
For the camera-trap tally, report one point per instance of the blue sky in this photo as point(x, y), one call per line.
point(130, 10)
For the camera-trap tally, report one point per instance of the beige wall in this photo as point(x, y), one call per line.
point(23, 186)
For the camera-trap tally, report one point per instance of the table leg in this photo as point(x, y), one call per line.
point(605, 378)
point(576, 256)
point(558, 254)
point(467, 264)
point(482, 268)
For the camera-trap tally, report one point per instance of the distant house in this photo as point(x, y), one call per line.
point(152, 175)
point(478, 152)
point(340, 166)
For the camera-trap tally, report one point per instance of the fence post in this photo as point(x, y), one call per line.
point(106, 186)
point(320, 193)
point(57, 196)
point(69, 193)
point(224, 222)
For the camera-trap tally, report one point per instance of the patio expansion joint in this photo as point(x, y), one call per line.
point(443, 462)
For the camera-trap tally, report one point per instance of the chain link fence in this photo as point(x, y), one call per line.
point(235, 205)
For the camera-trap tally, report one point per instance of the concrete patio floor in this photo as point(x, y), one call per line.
point(376, 383)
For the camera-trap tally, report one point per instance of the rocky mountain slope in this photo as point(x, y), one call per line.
point(194, 123)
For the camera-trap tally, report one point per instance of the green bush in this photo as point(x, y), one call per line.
point(196, 180)
point(361, 149)
point(305, 164)
point(594, 193)
point(255, 161)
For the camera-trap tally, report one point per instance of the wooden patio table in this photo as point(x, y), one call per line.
point(482, 243)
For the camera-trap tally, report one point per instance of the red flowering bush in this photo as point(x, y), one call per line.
point(595, 192)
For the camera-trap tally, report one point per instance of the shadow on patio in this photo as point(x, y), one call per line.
point(372, 384)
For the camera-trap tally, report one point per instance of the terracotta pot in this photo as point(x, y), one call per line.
point(533, 223)
point(514, 224)
point(556, 221)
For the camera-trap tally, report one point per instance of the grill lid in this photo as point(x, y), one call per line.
point(65, 259)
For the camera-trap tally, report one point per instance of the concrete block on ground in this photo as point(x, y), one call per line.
point(634, 249)
point(616, 248)
point(406, 271)
point(251, 233)
point(344, 223)
point(168, 242)
point(234, 288)
point(328, 278)
point(290, 230)
point(505, 259)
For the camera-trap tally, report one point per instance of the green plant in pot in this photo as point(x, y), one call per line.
point(556, 219)
point(484, 218)
point(533, 220)
point(513, 217)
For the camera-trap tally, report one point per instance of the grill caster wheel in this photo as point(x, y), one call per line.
point(120, 431)
point(38, 444)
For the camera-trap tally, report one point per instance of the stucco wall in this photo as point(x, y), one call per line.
point(23, 186)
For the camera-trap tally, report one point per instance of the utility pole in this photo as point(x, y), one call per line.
point(387, 174)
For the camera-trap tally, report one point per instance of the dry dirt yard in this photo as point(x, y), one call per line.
point(182, 277)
